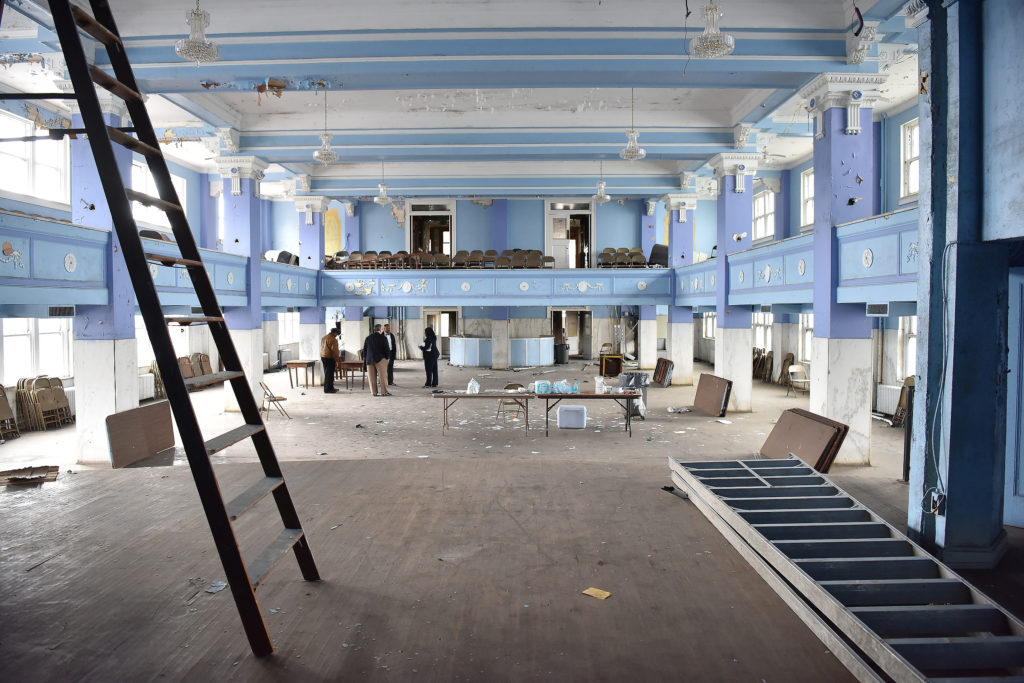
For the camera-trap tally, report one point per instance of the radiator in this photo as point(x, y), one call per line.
point(887, 397)
point(147, 388)
point(70, 393)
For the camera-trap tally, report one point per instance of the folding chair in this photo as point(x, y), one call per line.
point(503, 402)
point(798, 379)
point(269, 399)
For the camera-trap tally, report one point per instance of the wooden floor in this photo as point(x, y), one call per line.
point(433, 570)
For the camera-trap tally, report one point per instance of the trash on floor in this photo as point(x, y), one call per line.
point(597, 593)
point(217, 586)
point(725, 422)
point(29, 475)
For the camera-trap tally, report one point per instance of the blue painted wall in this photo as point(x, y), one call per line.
point(472, 226)
point(527, 312)
point(526, 224)
point(26, 207)
point(193, 195)
point(284, 227)
point(705, 226)
point(476, 312)
point(618, 225)
point(889, 146)
point(379, 230)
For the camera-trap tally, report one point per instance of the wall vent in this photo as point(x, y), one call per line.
point(62, 312)
point(766, 309)
point(878, 310)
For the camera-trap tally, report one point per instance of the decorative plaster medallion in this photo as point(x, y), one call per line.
point(153, 270)
point(581, 285)
point(641, 285)
point(523, 286)
point(349, 287)
point(231, 278)
point(867, 258)
point(912, 252)
point(856, 94)
point(741, 276)
point(70, 262)
point(267, 281)
point(801, 266)
point(307, 286)
point(682, 285)
point(696, 283)
point(406, 287)
point(767, 273)
point(288, 284)
point(464, 287)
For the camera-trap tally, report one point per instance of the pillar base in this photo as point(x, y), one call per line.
point(680, 349)
point(648, 344)
point(106, 382)
point(352, 335)
point(734, 353)
point(249, 346)
point(966, 557)
point(310, 335)
point(841, 388)
point(500, 351)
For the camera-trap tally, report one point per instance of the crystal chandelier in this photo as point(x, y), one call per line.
point(325, 155)
point(196, 48)
point(382, 197)
point(632, 150)
point(601, 197)
point(712, 43)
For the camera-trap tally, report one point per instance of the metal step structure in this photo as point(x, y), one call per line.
point(885, 607)
point(140, 137)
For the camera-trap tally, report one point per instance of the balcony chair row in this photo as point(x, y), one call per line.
point(343, 260)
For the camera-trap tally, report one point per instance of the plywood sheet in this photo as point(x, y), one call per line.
point(139, 433)
point(712, 395)
point(824, 463)
point(804, 437)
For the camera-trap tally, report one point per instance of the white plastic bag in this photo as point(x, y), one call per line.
point(473, 387)
point(640, 408)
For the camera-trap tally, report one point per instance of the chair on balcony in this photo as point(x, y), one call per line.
point(638, 260)
point(606, 259)
point(384, 259)
point(369, 260)
point(424, 260)
point(534, 260)
point(548, 261)
point(442, 261)
point(622, 260)
point(519, 259)
point(354, 260)
point(503, 262)
point(460, 260)
point(476, 259)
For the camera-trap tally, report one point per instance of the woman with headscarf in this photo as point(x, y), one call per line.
point(430, 356)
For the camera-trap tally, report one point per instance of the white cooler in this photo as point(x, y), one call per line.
point(572, 417)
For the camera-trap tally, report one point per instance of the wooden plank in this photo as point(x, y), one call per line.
point(215, 378)
point(712, 397)
point(252, 495)
point(29, 475)
point(801, 436)
point(962, 654)
point(917, 621)
point(845, 548)
point(797, 532)
point(898, 592)
point(229, 438)
point(870, 568)
point(139, 433)
point(265, 562)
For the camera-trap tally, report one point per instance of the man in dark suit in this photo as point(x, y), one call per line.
point(375, 360)
point(392, 353)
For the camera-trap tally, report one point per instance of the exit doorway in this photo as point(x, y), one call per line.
point(575, 328)
point(445, 325)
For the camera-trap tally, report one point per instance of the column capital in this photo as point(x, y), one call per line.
point(240, 167)
point(739, 165)
point(650, 206)
point(852, 91)
point(741, 135)
point(915, 13)
point(681, 202)
point(707, 188)
point(229, 136)
point(310, 205)
point(857, 46)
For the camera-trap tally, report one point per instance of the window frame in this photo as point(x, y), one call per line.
point(806, 338)
point(907, 134)
point(763, 322)
point(807, 201)
point(708, 322)
point(767, 198)
point(32, 367)
point(908, 336)
point(151, 216)
point(288, 328)
point(31, 194)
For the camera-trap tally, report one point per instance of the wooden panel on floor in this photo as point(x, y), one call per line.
point(439, 569)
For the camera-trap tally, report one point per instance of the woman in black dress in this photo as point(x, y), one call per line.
point(430, 355)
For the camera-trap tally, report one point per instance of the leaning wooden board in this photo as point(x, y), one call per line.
point(812, 438)
point(139, 433)
point(712, 395)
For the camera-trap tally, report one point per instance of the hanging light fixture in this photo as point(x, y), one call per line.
point(325, 155)
point(601, 197)
point(196, 48)
point(382, 197)
point(632, 151)
point(712, 43)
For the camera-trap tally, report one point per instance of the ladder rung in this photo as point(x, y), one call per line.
point(38, 96)
point(215, 378)
point(261, 567)
point(168, 260)
point(94, 28)
point(131, 143)
point(252, 495)
point(186, 321)
point(151, 201)
point(100, 78)
point(230, 438)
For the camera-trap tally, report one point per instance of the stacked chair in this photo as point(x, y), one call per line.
point(42, 403)
point(8, 424)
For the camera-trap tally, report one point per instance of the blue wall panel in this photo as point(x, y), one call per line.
point(526, 224)
point(380, 231)
point(618, 225)
point(284, 227)
point(472, 226)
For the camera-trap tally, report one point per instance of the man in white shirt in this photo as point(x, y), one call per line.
point(392, 354)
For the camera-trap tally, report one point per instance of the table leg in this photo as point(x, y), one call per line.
point(629, 416)
point(290, 385)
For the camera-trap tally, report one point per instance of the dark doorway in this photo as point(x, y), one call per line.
point(432, 234)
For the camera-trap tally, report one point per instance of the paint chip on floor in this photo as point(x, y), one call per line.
point(597, 593)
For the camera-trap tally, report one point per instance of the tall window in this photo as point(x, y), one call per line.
point(709, 325)
point(288, 330)
point(806, 336)
point(908, 345)
point(36, 347)
point(910, 155)
point(807, 198)
point(142, 181)
point(34, 168)
point(764, 215)
point(763, 330)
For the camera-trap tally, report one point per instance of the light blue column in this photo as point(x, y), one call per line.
point(311, 230)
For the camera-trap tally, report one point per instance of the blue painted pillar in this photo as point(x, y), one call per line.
point(649, 225)
point(242, 217)
point(499, 225)
point(734, 337)
point(311, 231)
point(105, 356)
point(844, 173)
point(209, 213)
point(958, 453)
point(681, 231)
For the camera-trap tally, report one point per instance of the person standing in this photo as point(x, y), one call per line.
point(392, 353)
point(375, 360)
point(329, 355)
point(430, 356)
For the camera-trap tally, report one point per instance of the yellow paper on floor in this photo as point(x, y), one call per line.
point(597, 593)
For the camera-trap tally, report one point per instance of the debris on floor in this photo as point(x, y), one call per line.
point(597, 593)
point(726, 422)
point(217, 586)
point(29, 475)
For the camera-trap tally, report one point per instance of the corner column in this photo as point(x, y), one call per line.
point(647, 353)
point(500, 350)
point(680, 343)
point(353, 332)
point(844, 172)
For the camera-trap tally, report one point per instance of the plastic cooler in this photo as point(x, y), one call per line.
point(572, 417)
